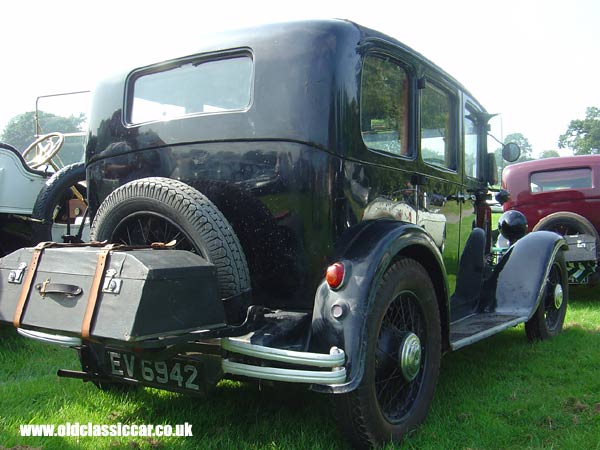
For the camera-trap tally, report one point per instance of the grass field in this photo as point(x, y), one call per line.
point(502, 393)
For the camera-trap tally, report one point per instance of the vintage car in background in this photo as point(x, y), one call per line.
point(42, 187)
point(301, 203)
point(561, 195)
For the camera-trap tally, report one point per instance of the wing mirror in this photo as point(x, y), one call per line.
point(511, 152)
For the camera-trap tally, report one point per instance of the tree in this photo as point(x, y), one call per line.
point(549, 154)
point(20, 130)
point(583, 136)
point(523, 142)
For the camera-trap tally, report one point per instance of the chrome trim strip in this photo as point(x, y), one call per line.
point(64, 341)
point(288, 375)
point(336, 357)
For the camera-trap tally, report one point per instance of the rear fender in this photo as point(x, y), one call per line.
point(518, 280)
point(366, 257)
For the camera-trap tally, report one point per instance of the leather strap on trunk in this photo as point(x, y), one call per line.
point(94, 291)
point(103, 257)
point(26, 289)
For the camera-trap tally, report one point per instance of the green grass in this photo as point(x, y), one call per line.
point(501, 393)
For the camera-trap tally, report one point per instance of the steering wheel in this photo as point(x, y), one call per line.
point(46, 147)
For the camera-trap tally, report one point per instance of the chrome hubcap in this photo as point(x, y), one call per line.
point(558, 296)
point(410, 356)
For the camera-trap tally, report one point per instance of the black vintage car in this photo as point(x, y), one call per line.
point(320, 192)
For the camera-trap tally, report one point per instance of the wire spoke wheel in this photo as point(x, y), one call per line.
point(401, 359)
point(395, 390)
point(554, 298)
point(547, 321)
point(146, 227)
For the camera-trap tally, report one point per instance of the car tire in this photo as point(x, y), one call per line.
point(548, 319)
point(568, 223)
point(160, 210)
point(404, 306)
point(53, 199)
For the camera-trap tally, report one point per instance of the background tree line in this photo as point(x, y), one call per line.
point(20, 130)
point(582, 138)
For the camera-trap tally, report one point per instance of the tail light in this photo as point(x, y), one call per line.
point(335, 275)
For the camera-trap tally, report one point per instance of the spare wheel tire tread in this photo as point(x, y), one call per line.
point(199, 213)
point(50, 195)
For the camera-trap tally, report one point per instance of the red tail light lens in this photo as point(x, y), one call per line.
point(335, 275)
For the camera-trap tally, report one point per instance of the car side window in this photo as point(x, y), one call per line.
point(471, 143)
point(554, 180)
point(436, 128)
point(384, 106)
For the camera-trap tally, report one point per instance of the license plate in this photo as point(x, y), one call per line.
point(174, 374)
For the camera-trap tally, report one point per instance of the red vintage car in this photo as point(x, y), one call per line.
point(561, 195)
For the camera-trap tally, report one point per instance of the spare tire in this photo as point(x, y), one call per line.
point(161, 210)
point(52, 202)
point(568, 223)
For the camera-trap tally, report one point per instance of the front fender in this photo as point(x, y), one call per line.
point(366, 257)
point(518, 280)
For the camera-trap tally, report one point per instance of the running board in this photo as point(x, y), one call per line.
point(480, 326)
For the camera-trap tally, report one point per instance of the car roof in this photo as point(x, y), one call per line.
point(308, 74)
point(561, 162)
point(270, 32)
point(515, 178)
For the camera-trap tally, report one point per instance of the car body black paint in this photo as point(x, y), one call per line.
point(295, 179)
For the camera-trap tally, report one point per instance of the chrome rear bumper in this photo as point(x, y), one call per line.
point(329, 368)
point(64, 341)
point(334, 361)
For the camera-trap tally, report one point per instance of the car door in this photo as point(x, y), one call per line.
point(441, 193)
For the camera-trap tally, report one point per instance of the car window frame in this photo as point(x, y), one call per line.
point(561, 169)
point(197, 59)
point(430, 81)
point(411, 109)
point(479, 151)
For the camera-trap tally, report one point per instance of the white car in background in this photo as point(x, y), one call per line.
point(42, 190)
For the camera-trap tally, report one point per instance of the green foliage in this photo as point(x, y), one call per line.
point(523, 142)
point(583, 136)
point(549, 154)
point(20, 130)
point(526, 151)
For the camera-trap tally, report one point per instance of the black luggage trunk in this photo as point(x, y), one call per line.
point(142, 293)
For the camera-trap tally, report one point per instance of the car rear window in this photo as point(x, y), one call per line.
point(554, 180)
point(190, 87)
